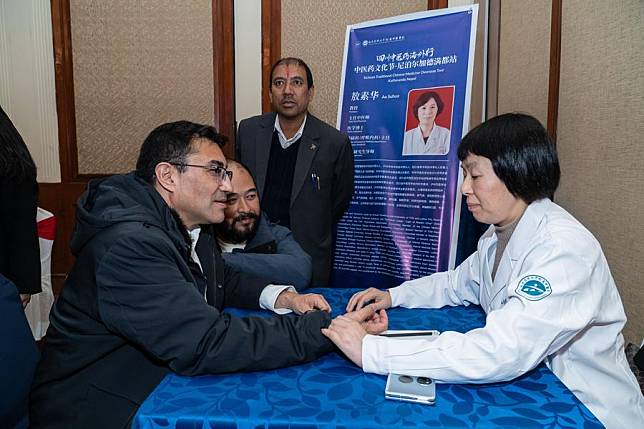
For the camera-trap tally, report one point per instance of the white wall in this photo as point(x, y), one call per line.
point(27, 84)
point(524, 57)
point(248, 58)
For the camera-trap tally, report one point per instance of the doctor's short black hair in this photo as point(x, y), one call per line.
point(172, 142)
point(523, 156)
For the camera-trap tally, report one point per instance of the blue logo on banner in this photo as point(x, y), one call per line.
point(534, 288)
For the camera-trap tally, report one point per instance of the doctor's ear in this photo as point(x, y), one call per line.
point(166, 175)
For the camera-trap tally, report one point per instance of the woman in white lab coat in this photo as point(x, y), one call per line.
point(428, 138)
point(540, 276)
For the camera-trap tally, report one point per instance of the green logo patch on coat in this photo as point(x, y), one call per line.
point(533, 288)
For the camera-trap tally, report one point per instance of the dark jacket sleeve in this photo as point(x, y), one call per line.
point(145, 295)
point(343, 180)
point(21, 251)
point(242, 289)
point(290, 265)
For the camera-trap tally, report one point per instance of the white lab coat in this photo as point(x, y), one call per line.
point(574, 325)
point(437, 143)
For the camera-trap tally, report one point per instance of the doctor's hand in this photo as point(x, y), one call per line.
point(378, 298)
point(372, 321)
point(347, 335)
point(300, 304)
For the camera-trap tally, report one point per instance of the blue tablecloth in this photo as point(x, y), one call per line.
point(332, 392)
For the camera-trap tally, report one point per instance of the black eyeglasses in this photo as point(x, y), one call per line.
point(217, 171)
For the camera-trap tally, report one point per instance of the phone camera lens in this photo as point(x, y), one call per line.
point(424, 380)
point(405, 379)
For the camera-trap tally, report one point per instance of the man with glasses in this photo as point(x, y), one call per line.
point(146, 293)
point(253, 244)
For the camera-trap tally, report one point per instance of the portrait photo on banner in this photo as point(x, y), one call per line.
point(428, 121)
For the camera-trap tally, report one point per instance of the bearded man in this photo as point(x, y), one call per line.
point(252, 244)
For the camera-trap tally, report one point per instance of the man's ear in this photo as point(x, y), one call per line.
point(166, 176)
point(311, 93)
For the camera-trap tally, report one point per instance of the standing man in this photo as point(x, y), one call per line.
point(252, 244)
point(303, 166)
point(146, 294)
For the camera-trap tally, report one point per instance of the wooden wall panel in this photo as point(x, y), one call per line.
point(271, 44)
point(223, 39)
point(524, 57)
point(60, 198)
point(314, 30)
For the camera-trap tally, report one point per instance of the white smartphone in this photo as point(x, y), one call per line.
point(409, 388)
point(411, 334)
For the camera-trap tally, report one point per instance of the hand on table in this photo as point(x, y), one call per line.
point(381, 299)
point(300, 304)
point(348, 330)
point(372, 321)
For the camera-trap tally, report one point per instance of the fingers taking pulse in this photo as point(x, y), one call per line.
point(376, 297)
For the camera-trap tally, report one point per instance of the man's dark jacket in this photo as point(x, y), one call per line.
point(133, 309)
point(316, 206)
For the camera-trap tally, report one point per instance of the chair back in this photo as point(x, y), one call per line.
point(39, 306)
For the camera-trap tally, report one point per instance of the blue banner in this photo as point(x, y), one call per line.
point(404, 103)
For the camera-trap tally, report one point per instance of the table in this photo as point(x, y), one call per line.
point(332, 392)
